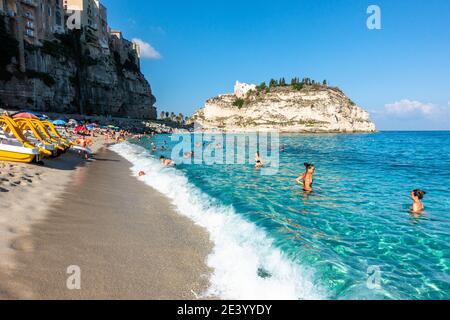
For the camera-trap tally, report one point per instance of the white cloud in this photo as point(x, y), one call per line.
point(147, 51)
point(409, 114)
point(407, 107)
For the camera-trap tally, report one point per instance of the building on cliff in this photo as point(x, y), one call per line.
point(242, 89)
point(86, 69)
point(33, 21)
point(311, 108)
point(125, 48)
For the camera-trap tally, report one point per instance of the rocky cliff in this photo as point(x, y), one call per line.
point(311, 108)
point(64, 75)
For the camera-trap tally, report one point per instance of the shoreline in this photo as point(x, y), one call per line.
point(165, 252)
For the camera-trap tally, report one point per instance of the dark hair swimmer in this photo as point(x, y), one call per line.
point(307, 177)
point(417, 197)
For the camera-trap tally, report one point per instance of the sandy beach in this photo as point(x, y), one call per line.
point(126, 238)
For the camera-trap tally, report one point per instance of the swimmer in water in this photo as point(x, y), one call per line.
point(166, 162)
point(417, 196)
point(258, 160)
point(189, 155)
point(307, 178)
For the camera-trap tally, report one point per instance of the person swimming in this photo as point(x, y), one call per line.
point(307, 178)
point(189, 155)
point(417, 196)
point(258, 160)
point(166, 162)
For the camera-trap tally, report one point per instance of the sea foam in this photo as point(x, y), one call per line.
point(244, 261)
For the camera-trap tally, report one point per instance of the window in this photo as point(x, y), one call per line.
point(58, 18)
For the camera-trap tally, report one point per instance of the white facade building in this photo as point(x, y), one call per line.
point(242, 89)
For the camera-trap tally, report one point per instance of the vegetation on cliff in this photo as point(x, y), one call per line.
point(295, 83)
point(167, 116)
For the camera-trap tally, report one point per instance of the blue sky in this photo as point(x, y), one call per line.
point(401, 73)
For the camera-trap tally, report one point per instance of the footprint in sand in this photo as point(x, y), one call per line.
point(27, 180)
point(12, 230)
point(22, 244)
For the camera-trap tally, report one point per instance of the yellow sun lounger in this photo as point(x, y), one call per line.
point(62, 145)
point(55, 131)
point(27, 125)
point(14, 146)
point(19, 132)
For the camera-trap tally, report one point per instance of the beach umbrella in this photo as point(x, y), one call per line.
point(59, 123)
point(39, 115)
point(25, 115)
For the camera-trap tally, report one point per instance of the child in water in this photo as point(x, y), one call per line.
point(417, 196)
point(307, 177)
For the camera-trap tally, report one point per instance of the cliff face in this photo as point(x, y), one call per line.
point(312, 109)
point(66, 76)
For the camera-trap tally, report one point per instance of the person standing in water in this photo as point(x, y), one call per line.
point(417, 196)
point(258, 160)
point(307, 178)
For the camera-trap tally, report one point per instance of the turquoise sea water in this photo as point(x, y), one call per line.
point(358, 218)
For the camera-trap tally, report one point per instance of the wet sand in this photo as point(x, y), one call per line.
point(126, 238)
